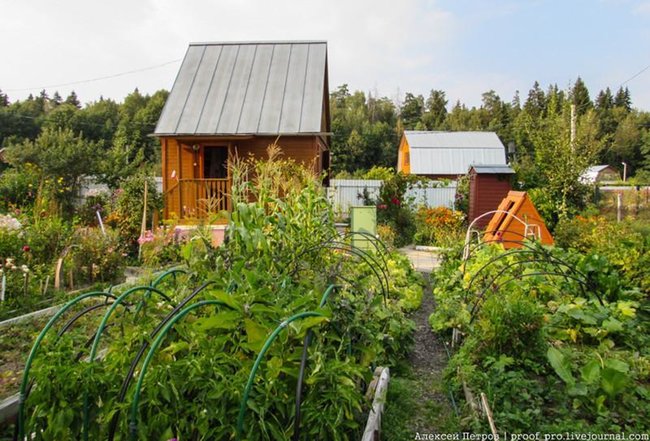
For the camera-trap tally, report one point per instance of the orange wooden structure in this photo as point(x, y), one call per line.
point(234, 100)
point(516, 219)
point(196, 176)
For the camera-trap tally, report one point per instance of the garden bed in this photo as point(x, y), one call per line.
point(556, 340)
point(286, 301)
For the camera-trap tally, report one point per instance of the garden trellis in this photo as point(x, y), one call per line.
point(146, 296)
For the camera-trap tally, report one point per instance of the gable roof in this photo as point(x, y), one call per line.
point(498, 169)
point(452, 153)
point(591, 175)
point(248, 88)
point(595, 169)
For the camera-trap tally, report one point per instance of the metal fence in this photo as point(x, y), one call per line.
point(349, 192)
point(623, 202)
point(91, 187)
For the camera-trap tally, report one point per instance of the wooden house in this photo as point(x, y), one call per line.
point(488, 185)
point(235, 99)
point(447, 154)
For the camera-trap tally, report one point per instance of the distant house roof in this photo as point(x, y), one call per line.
point(452, 153)
point(596, 173)
point(497, 169)
point(249, 88)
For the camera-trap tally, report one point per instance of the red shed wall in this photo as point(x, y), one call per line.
point(486, 191)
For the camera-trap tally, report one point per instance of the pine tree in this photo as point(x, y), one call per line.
point(436, 110)
point(4, 99)
point(43, 101)
point(72, 99)
point(535, 104)
point(555, 99)
point(56, 98)
point(623, 100)
point(607, 123)
point(412, 110)
point(580, 97)
point(604, 100)
point(516, 102)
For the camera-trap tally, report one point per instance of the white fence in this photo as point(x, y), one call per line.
point(90, 187)
point(349, 192)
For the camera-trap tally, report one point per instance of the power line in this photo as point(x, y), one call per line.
point(635, 75)
point(72, 83)
point(89, 124)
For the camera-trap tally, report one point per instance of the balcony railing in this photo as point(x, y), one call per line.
point(197, 198)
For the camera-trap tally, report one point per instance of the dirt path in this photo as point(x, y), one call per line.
point(418, 404)
point(429, 359)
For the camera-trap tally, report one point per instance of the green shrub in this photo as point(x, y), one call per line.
point(19, 186)
point(625, 244)
point(11, 237)
point(87, 212)
point(556, 339)
point(96, 256)
point(126, 213)
point(47, 236)
point(395, 210)
point(438, 226)
point(160, 248)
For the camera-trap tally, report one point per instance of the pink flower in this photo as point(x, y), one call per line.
point(146, 237)
point(26, 249)
point(382, 206)
point(395, 201)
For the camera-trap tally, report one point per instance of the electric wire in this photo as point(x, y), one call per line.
point(635, 75)
point(91, 80)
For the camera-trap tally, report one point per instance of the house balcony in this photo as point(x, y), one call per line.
point(197, 200)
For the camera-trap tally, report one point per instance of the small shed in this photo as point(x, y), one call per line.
point(234, 99)
point(447, 154)
point(600, 173)
point(517, 220)
point(488, 185)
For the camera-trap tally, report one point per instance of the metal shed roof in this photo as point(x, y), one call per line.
point(590, 175)
point(452, 153)
point(486, 169)
point(243, 88)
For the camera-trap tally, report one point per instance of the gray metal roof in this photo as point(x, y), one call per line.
point(452, 153)
point(591, 175)
point(595, 169)
point(248, 88)
point(492, 169)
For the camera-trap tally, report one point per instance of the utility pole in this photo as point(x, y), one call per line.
point(573, 126)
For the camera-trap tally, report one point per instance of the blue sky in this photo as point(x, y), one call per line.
point(387, 47)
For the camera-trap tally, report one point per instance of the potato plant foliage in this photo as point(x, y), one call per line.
point(557, 339)
point(277, 261)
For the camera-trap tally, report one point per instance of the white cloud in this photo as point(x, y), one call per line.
point(381, 45)
point(371, 43)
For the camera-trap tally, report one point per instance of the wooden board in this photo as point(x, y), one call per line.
point(518, 218)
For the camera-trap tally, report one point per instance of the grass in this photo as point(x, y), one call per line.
point(417, 405)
